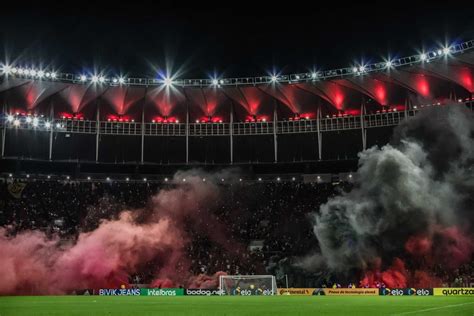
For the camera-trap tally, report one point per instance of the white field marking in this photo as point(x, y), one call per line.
point(432, 309)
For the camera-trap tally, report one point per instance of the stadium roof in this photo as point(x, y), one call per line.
point(429, 77)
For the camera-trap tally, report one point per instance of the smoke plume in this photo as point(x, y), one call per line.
point(411, 209)
point(153, 238)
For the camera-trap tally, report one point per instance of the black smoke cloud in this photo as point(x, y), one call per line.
point(413, 197)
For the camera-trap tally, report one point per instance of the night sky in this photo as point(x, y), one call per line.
point(225, 39)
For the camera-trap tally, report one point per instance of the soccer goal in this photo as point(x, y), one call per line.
point(247, 285)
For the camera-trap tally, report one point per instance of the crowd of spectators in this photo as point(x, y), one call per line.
point(272, 220)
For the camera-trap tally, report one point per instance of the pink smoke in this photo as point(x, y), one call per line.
point(31, 263)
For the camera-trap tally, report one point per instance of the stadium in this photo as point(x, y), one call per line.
point(338, 190)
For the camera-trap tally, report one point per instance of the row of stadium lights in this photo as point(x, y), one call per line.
point(168, 81)
point(35, 120)
point(127, 179)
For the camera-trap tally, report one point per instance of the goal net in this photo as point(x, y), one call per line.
point(247, 285)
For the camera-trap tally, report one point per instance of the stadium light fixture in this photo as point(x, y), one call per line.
point(389, 64)
point(21, 71)
point(168, 82)
point(16, 122)
point(47, 125)
point(95, 79)
point(54, 75)
point(6, 69)
point(446, 50)
point(10, 175)
point(40, 73)
point(35, 122)
point(166, 179)
point(278, 179)
point(215, 82)
point(355, 69)
point(274, 78)
point(49, 177)
point(10, 118)
point(83, 78)
point(47, 75)
point(28, 119)
point(144, 179)
point(423, 56)
point(362, 68)
point(101, 79)
point(14, 70)
point(121, 80)
point(68, 177)
point(293, 179)
point(58, 125)
point(88, 178)
point(33, 72)
point(314, 75)
point(108, 179)
point(115, 80)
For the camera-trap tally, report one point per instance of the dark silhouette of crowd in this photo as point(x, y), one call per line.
point(271, 219)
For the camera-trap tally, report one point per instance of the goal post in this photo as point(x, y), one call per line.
point(247, 285)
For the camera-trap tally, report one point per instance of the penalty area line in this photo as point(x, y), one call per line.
point(432, 309)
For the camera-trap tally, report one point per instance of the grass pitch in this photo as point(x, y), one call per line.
point(236, 305)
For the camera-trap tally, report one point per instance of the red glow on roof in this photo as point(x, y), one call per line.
point(255, 118)
point(71, 116)
point(210, 119)
point(119, 118)
point(467, 81)
point(339, 100)
point(423, 86)
point(165, 120)
point(381, 94)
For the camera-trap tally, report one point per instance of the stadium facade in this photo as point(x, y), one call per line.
point(76, 121)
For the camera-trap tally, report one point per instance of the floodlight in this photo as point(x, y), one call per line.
point(423, 56)
point(168, 81)
point(10, 118)
point(6, 69)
